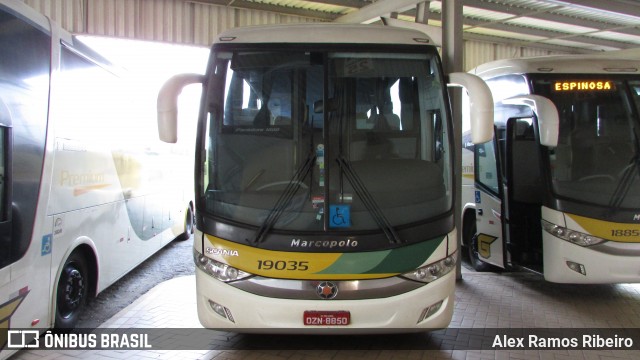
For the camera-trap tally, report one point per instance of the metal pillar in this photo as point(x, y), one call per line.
point(452, 58)
point(422, 13)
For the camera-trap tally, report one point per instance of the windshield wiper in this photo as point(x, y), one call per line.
point(285, 199)
point(627, 178)
point(368, 200)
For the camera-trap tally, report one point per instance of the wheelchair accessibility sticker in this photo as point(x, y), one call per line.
point(340, 216)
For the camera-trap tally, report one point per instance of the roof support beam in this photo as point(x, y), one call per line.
point(377, 9)
point(422, 12)
point(622, 8)
point(536, 45)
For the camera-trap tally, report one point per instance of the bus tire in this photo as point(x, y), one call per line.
point(72, 291)
point(188, 225)
point(471, 239)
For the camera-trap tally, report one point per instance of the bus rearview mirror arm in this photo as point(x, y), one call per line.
point(480, 105)
point(167, 105)
point(547, 114)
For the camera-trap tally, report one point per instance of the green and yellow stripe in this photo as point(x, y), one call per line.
point(326, 266)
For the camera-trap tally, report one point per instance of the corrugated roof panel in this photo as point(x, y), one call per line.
point(307, 5)
point(576, 44)
point(483, 14)
point(550, 25)
point(505, 34)
point(580, 12)
point(536, 5)
point(612, 35)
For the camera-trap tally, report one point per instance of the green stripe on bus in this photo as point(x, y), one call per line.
point(395, 261)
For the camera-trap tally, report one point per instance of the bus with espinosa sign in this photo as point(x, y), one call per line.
point(557, 191)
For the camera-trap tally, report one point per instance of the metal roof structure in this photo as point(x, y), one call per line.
point(579, 26)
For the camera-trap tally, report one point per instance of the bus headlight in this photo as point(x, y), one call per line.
point(434, 271)
point(218, 270)
point(571, 236)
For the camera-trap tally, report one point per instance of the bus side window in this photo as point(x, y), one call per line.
point(24, 91)
point(486, 169)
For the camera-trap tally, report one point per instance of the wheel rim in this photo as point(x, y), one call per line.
point(71, 291)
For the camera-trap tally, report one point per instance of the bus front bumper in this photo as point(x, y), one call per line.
point(565, 262)
point(249, 313)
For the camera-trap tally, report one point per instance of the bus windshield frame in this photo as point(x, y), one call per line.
point(326, 140)
point(596, 161)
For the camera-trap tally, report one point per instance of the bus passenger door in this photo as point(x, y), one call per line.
point(523, 176)
point(488, 241)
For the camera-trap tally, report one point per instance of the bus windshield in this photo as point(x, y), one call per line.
point(318, 141)
point(597, 157)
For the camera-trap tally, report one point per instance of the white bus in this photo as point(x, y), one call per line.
point(324, 180)
point(557, 191)
point(82, 201)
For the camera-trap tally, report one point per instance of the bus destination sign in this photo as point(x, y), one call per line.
point(583, 85)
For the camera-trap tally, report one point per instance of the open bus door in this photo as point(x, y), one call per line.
point(525, 193)
point(508, 195)
point(509, 184)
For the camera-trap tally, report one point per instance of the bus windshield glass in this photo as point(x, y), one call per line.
point(597, 157)
point(321, 141)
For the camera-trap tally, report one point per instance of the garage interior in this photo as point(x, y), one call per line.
point(488, 30)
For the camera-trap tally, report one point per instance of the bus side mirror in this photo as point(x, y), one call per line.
point(547, 114)
point(480, 105)
point(167, 104)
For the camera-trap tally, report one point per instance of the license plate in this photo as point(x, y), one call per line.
point(327, 318)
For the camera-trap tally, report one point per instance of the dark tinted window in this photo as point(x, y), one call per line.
point(24, 90)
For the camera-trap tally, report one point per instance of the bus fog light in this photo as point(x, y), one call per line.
point(427, 312)
point(579, 268)
point(221, 310)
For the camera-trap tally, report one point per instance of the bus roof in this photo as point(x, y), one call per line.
point(606, 63)
point(324, 33)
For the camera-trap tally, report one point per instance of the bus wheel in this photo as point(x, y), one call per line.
point(472, 247)
point(73, 288)
point(188, 225)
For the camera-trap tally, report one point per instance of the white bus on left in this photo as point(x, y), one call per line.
point(82, 200)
